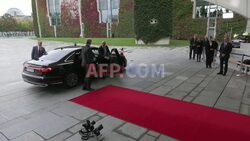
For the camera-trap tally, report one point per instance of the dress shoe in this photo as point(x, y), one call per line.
point(83, 88)
point(220, 73)
point(224, 74)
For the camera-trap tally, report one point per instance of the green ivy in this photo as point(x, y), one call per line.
point(34, 15)
point(174, 19)
point(125, 27)
point(46, 29)
point(184, 27)
point(145, 11)
point(237, 24)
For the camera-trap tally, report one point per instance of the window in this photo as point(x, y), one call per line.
point(71, 58)
point(56, 55)
point(54, 10)
point(104, 7)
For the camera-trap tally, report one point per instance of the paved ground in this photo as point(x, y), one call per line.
point(30, 113)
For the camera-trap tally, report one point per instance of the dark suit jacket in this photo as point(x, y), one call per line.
point(102, 53)
point(87, 55)
point(226, 50)
point(193, 43)
point(35, 54)
point(211, 48)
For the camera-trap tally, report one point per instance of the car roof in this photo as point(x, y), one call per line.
point(73, 48)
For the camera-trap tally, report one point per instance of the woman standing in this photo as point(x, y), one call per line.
point(203, 49)
point(209, 56)
point(216, 47)
point(199, 48)
point(210, 47)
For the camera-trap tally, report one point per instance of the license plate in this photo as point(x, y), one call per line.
point(30, 70)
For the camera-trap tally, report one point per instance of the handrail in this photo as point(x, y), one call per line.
point(240, 54)
point(242, 59)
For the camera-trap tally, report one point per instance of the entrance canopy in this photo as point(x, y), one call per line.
point(238, 6)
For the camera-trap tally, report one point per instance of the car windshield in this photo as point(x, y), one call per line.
point(56, 55)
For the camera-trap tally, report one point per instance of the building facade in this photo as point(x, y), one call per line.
point(75, 18)
point(89, 18)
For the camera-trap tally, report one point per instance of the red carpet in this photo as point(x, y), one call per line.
point(177, 119)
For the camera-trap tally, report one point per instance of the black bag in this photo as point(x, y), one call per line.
point(247, 62)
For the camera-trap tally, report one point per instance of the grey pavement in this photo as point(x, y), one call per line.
point(31, 113)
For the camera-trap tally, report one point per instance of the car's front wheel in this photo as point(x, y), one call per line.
point(71, 80)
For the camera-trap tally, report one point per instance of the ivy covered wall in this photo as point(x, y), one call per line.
point(70, 19)
point(70, 25)
point(125, 26)
point(184, 27)
point(153, 20)
point(34, 15)
point(132, 17)
point(90, 18)
point(237, 24)
point(46, 29)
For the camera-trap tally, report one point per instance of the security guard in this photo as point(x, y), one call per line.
point(225, 50)
point(88, 58)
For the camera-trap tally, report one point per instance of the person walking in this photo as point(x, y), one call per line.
point(216, 46)
point(225, 50)
point(88, 58)
point(207, 48)
point(199, 48)
point(38, 51)
point(193, 43)
point(203, 49)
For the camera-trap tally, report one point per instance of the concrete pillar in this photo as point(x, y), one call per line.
point(55, 31)
point(80, 17)
point(248, 26)
point(194, 8)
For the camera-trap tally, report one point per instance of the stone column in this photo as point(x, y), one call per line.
point(80, 17)
point(248, 26)
point(194, 8)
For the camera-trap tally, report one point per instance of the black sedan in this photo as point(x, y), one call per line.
point(61, 66)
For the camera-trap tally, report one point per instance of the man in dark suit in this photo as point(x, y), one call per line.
point(225, 50)
point(193, 44)
point(88, 58)
point(38, 51)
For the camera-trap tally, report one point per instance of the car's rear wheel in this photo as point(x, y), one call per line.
point(71, 80)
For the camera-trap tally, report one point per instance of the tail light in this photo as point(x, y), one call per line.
point(43, 70)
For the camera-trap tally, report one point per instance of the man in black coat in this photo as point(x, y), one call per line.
point(210, 46)
point(225, 50)
point(88, 58)
point(38, 51)
point(193, 44)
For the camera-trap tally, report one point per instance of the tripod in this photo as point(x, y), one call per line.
point(89, 131)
